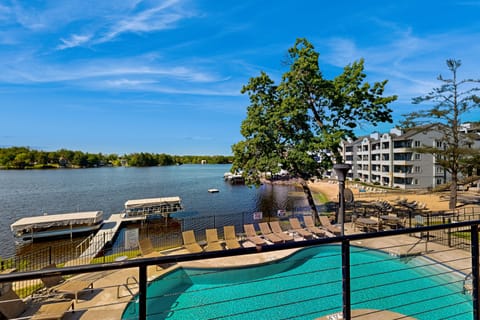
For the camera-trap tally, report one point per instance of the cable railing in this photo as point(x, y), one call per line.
point(324, 277)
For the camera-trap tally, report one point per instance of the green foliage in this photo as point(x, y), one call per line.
point(298, 125)
point(26, 158)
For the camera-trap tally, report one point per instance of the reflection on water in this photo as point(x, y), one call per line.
point(273, 198)
point(30, 193)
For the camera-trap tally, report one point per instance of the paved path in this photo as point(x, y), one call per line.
point(109, 229)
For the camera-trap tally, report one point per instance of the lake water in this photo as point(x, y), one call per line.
point(30, 193)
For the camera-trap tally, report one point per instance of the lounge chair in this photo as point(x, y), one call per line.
point(252, 235)
point(377, 226)
point(310, 226)
point(53, 310)
point(230, 237)
point(56, 284)
point(268, 234)
point(325, 221)
point(296, 227)
point(277, 230)
point(11, 306)
point(213, 244)
point(190, 243)
point(147, 250)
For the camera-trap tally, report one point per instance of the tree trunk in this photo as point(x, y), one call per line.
point(311, 202)
point(452, 205)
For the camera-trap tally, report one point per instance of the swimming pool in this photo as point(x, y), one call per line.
point(307, 285)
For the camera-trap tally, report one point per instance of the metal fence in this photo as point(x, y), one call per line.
point(171, 237)
point(336, 279)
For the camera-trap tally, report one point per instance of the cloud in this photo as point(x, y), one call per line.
point(96, 22)
point(131, 74)
point(409, 61)
point(54, 15)
point(161, 17)
point(31, 69)
point(164, 87)
point(74, 41)
point(122, 83)
point(340, 52)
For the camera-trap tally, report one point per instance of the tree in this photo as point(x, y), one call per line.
point(299, 124)
point(452, 100)
point(22, 159)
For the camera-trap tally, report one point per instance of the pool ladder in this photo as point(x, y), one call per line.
point(127, 286)
point(467, 284)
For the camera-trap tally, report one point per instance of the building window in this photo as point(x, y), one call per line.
point(417, 144)
point(418, 169)
point(417, 156)
point(415, 181)
point(439, 170)
point(439, 181)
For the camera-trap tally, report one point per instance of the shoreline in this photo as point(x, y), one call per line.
point(435, 201)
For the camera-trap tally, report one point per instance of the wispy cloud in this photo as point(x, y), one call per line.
point(99, 22)
point(410, 62)
point(161, 17)
point(74, 41)
point(138, 74)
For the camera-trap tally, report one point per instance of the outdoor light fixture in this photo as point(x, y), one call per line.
point(341, 170)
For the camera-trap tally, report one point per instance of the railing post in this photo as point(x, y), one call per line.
point(475, 270)
point(449, 234)
point(346, 279)
point(142, 310)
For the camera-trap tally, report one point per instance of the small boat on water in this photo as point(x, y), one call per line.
point(213, 190)
point(152, 207)
point(51, 226)
point(234, 178)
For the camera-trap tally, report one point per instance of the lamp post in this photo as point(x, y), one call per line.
point(341, 170)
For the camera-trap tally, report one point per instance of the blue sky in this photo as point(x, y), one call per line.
point(165, 76)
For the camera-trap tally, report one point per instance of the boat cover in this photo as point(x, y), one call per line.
point(151, 202)
point(51, 220)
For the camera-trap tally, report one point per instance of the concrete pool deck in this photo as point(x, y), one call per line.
point(114, 289)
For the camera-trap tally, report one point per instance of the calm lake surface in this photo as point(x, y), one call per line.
point(26, 193)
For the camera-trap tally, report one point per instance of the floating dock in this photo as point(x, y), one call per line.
point(106, 233)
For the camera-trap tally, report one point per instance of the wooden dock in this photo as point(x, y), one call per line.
point(106, 233)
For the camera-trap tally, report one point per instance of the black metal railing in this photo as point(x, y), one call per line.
point(346, 242)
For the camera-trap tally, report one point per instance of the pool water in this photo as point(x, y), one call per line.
point(307, 285)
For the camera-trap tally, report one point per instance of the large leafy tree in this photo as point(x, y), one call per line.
point(448, 104)
point(298, 125)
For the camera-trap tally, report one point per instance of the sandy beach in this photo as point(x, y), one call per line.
point(434, 201)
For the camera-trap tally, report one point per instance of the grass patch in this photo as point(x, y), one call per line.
point(462, 235)
point(111, 258)
point(320, 198)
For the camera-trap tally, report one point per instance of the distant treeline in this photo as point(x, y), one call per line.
point(26, 158)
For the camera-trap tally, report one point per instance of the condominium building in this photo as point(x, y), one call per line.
point(390, 159)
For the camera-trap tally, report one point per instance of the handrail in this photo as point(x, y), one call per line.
point(81, 244)
point(345, 241)
point(18, 276)
point(467, 278)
